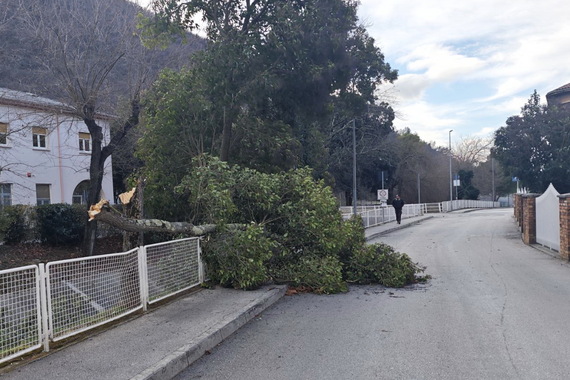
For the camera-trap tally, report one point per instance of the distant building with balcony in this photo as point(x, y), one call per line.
point(45, 152)
point(559, 97)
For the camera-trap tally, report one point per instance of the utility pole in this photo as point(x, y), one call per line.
point(493, 178)
point(354, 167)
point(450, 175)
point(419, 186)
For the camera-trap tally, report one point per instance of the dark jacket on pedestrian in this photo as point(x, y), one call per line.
point(398, 203)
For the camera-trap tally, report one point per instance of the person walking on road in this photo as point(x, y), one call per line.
point(398, 203)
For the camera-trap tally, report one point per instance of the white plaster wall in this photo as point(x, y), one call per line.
point(61, 164)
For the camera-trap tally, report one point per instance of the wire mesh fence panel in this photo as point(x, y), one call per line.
point(172, 267)
point(20, 321)
point(87, 292)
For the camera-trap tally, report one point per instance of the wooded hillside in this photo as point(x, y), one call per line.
point(24, 67)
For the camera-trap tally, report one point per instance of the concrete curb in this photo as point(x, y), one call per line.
point(183, 357)
point(397, 227)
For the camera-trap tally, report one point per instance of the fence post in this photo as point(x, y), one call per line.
point(201, 271)
point(564, 209)
point(143, 277)
point(529, 218)
point(43, 306)
point(519, 209)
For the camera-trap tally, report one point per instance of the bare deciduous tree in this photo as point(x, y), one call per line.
point(472, 151)
point(82, 43)
point(88, 46)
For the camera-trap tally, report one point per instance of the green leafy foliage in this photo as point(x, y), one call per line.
point(352, 238)
point(534, 146)
point(381, 264)
point(208, 190)
point(238, 258)
point(467, 190)
point(178, 126)
point(269, 89)
point(61, 223)
point(295, 232)
point(307, 220)
point(13, 226)
point(316, 273)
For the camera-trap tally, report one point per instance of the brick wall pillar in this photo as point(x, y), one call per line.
point(564, 207)
point(518, 209)
point(529, 218)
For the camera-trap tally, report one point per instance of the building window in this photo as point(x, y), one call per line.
point(81, 193)
point(3, 133)
point(5, 194)
point(42, 194)
point(84, 142)
point(39, 136)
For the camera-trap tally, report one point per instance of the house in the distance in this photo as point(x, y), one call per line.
point(45, 152)
point(560, 97)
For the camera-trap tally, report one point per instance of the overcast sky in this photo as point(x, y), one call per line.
point(468, 65)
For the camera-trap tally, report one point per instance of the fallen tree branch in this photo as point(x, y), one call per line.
point(103, 212)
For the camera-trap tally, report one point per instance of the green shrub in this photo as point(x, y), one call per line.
point(316, 273)
point(13, 225)
point(60, 223)
point(238, 258)
point(352, 239)
point(380, 263)
point(307, 221)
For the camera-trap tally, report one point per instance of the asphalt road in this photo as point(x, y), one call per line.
point(495, 309)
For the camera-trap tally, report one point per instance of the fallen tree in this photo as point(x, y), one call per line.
point(103, 212)
point(297, 236)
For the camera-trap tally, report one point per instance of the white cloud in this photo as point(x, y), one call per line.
point(411, 86)
point(430, 122)
point(441, 63)
point(495, 53)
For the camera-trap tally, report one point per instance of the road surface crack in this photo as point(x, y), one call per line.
point(503, 309)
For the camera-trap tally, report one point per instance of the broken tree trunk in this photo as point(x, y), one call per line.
point(103, 212)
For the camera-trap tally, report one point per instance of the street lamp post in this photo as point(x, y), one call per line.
point(353, 167)
point(419, 189)
point(493, 178)
point(450, 175)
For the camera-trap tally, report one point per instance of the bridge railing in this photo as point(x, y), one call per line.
point(373, 215)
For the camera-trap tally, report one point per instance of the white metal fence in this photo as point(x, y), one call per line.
point(466, 203)
point(87, 292)
point(20, 318)
point(44, 303)
point(171, 268)
point(376, 215)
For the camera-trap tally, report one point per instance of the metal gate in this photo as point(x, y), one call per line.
point(548, 219)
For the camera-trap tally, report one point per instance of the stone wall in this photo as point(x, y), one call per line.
point(518, 209)
point(564, 206)
point(529, 218)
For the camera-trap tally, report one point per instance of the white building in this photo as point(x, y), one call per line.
point(45, 152)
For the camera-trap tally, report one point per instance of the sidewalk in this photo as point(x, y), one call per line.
point(163, 342)
point(157, 345)
point(376, 231)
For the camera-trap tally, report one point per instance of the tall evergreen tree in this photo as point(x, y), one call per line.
point(275, 64)
point(534, 146)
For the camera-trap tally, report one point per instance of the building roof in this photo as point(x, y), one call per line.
point(559, 90)
point(12, 97)
point(29, 100)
